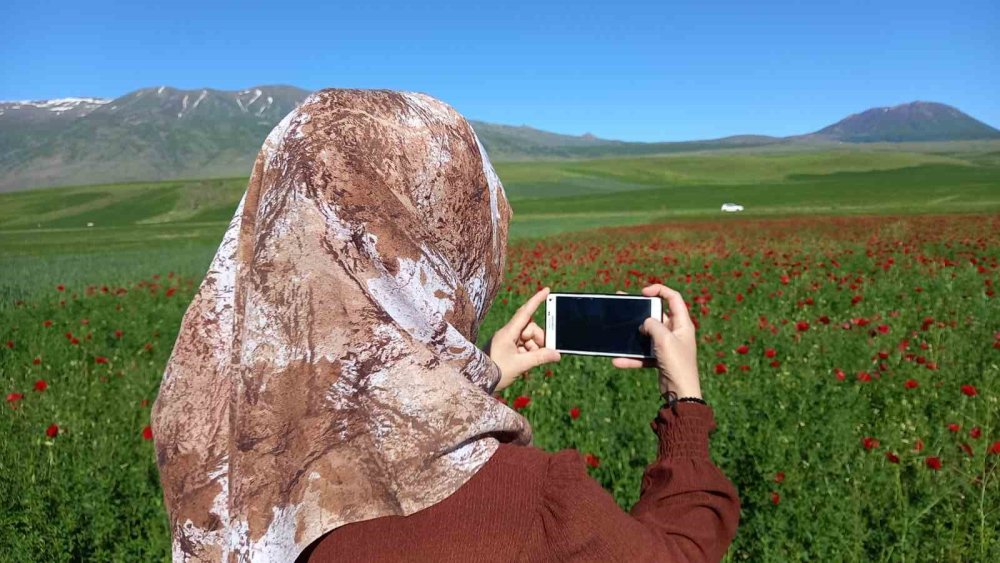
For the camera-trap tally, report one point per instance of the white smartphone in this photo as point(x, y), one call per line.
point(598, 324)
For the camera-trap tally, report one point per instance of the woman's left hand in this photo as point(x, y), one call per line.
point(520, 344)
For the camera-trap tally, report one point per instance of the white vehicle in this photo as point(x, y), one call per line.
point(732, 207)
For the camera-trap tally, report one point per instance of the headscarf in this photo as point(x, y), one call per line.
point(326, 372)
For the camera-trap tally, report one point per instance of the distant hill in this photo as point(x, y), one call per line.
point(915, 121)
point(164, 133)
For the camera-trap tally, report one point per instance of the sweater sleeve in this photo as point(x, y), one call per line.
point(687, 510)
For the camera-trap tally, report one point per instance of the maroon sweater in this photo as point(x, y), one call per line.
point(529, 505)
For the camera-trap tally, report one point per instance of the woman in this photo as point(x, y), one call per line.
point(325, 399)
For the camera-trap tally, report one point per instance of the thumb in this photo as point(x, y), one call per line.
point(524, 362)
point(653, 328)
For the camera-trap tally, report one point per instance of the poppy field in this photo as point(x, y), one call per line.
point(852, 364)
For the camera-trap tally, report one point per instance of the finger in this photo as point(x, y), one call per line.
point(523, 314)
point(533, 332)
point(679, 316)
point(630, 363)
point(653, 329)
point(522, 350)
point(531, 345)
point(528, 360)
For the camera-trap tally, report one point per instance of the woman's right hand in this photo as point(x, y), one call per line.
point(674, 345)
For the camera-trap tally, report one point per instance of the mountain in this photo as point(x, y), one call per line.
point(163, 133)
point(915, 121)
point(152, 133)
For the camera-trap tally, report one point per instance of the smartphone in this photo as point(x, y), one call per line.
point(597, 324)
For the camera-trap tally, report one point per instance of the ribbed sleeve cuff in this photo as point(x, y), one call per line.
point(683, 431)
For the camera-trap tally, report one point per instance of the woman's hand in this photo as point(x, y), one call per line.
point(520, 344)
point(674, 345)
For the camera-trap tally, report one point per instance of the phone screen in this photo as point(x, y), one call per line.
point(601, 325)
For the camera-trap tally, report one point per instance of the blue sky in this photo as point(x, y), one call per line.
point(662, 70)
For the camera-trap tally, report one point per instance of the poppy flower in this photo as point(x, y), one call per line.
point(994, 448)
point(60, 287)
point(521, 402)
point(147, 433)
point(742, 349)
point(720, 369)
point(41, 385)
point(864, 377)
point(802, 326)
point(969, 390)
point(100, 360)
point(775, 498)
point(10, 344)
point(52, 431)
point(13, 398)
point(918, 446)
point(869, 443)
point(883, 329)
point(975, 433)
point(933, 462)
point(840, 374)
point(770, 353)
point(954, 427)
point(779, 477)
point(37, 361)
point(911, 384)
point(574, 413)
point(118, 334)
point(47, 323)
point(170, 292)
point(892, 457)
point(592, 460)
point(966, 448)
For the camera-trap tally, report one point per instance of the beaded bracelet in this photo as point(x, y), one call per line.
point(671, 400)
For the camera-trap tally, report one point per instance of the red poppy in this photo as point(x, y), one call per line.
point(52, 431)
point(893, 458)
point(775, 498)
point(869, 443)
point(36, 361)
point(883, 329)
point(118, 334)
point(802, 326)
point(574, 413)
point(548, 373)
point(969, 390)
point(994, 448)
point(147, 433)
point(521, 402)
point(840, 374)
point(742, 349)
point(60, 287)
point(864, 377)
point(720, 368)
point(918, 446)
point(13, 398)
point(10, 344)
point(966, 448)
point(41, 385)
point(770, 353)
point(779, 477)
point(911, 384)
point(171, 291)
point(975, 433)
point(100, 360)
point(933, 462)
point(592, 460)
point(954, 427)
point(47, 323)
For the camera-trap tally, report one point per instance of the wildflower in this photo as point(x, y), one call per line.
point(41, 385)
point(521, 402)
point(770, 353)
point(775, 498)
point(892, 457)
point(975, 433)
point(954, 427)
point(147, 433)
point(13, 398)
point(802, 326)
point(933, 462)
point(100, 360)
point(969, 390)
point(52, 431)
point(994, 448)
point(779, 477)
point(574, 413)
point(592, 460)
point(742, 349)
point(720, 369)
point(918, 446)
point(869, 443)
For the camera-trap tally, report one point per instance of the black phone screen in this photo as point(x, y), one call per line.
point(601, 325)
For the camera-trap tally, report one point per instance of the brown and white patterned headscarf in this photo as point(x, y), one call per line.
point(326, 371)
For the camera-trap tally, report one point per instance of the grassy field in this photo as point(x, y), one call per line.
point(848, 342)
